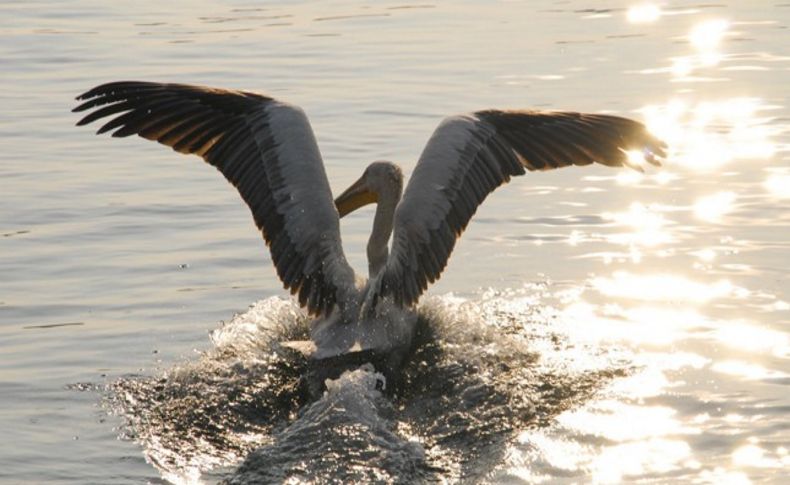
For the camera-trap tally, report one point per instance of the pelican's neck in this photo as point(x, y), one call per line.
point(382, 229)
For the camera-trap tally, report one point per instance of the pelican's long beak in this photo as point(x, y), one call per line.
point(355, 197)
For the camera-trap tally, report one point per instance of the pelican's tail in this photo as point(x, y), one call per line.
point(372, 294)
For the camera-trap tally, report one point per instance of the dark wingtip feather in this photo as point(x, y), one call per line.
point(91, 93)
point(651, 158)
point(90, 103)
point(84, 96)
point(105, 128)
point(121, 133)
point(632, 166)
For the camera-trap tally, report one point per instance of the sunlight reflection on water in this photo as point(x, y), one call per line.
point(706, 38)
point(620, 435)
point(778, 185)
point(748, 337)
point(747, 370)
point(663, 287)
point(704, 134)
point(712, 208)
point(708, 135)
point(644, 13)
point(649, 226)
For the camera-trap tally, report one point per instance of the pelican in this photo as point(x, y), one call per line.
point(267, 150)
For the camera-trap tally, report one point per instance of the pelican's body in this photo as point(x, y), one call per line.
point(388, 328)
point(267, 149)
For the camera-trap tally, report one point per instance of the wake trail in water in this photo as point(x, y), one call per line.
point(483, 370)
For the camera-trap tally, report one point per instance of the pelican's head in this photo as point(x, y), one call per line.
point(380, 180)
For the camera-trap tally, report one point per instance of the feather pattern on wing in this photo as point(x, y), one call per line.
point(468, 157)
point(266, 149)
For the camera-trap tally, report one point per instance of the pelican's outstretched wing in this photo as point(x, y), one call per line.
point(471, 155)
point(266, 149)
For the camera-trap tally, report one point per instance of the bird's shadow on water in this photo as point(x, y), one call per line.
point(241, 413)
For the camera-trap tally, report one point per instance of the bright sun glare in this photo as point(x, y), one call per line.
point(706, 36)
point(708, 135)
point(661, 287)
point(712, 208)
point(644, 13)
point(778, 185)
point(647, 226)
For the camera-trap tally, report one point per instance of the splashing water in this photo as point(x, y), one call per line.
point(483, 371)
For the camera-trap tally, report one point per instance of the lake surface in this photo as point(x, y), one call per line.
point(593, 324)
